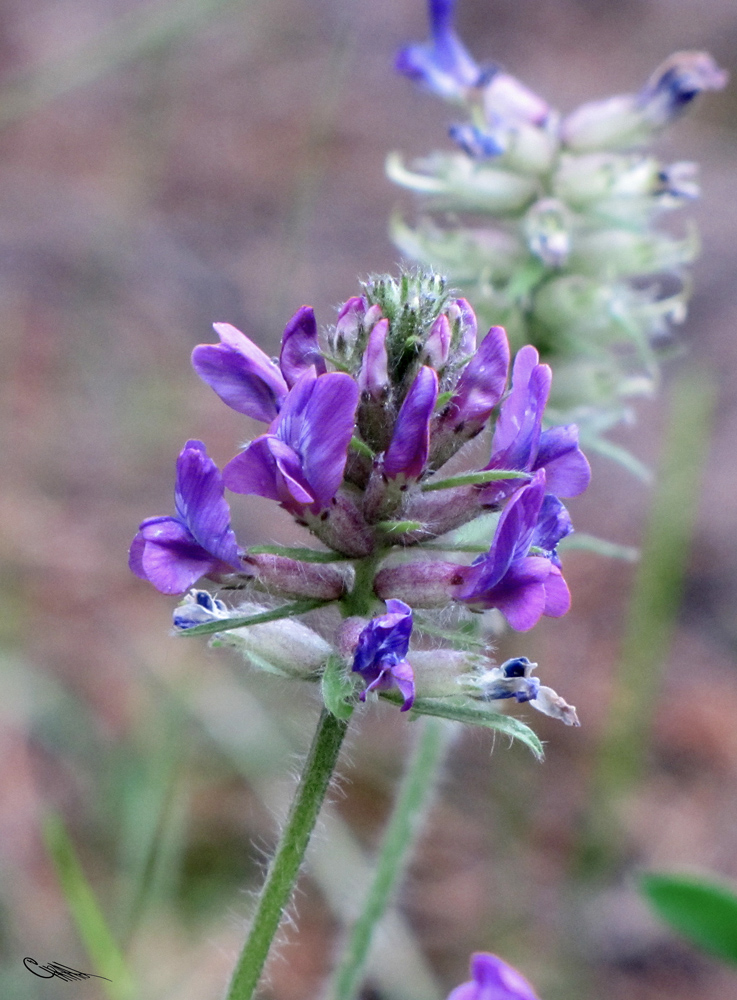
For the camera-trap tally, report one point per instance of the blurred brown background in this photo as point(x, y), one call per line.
point(224, 161)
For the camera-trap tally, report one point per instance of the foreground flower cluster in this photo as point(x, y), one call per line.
point(359, 428)
point(549, 223)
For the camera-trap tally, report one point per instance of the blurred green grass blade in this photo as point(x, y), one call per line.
point(658, 587)
point(88, 918)
point(703, 911)
point(599, 546)
point(139, 33)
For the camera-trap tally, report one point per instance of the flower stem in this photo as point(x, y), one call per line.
point(284, 868)
point(399, 839)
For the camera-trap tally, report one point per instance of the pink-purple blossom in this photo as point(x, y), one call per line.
point(522, 586)
point(493, 979)
point(520, 443)
point(172, 553)
point(300, 461)
point(380, 656)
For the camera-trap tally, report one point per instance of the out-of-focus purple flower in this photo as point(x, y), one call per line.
point(408, 449)
point(480, 387)
point(373, 377)
point(519, 442)
point(299, 347)
point(300, 461)
point(460, 310)
point(675, 84)
point(522, 586)
point(174, 552)
point(479, 144)
point(442, 65)
point(241, 374)
point(380, 656)
point(493, 979)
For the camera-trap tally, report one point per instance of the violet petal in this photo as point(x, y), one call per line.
point(300, 349)
point(408, 449)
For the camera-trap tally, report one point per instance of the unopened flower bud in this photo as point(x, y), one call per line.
point(426, 584)
point(437, 345)
point(373, 378)
point(285, 646)
point(291, 578)
point(439, 673)
point(506, 97)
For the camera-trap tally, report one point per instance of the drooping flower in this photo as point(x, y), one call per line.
point(172, 553)
point(410, 443)
point(381, 652)
point(300, 461)
point(522, 586)
point(493, 979)
point(514, 679)
point(241, 374)
point(520, 443)
point(443, 65)
point(247, 379)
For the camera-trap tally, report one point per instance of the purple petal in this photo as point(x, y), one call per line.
point(566, 467)
point(469, 328)
point(201, 505)
point(170, 559)
point(299, 346)
point(530, 389)
point(135, 556)
point(410, 443)
point(253, 471)
point(521, 595)
point(483, 381)
point(374, 375)
point(294, 490)
point(494, 979)
point(554, 523)
point(241, 374)
point(557, 595)
point(328, 425)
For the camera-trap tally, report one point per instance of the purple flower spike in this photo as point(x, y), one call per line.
point(374, 375)
point(408, 449)
point(442, 65)
point(493, 979)
point(481, 385)
point(300, 462)
point(172, 553)
point(299, 347)
point(381, 652)
point(519, 442)
point(241, 374)
point(523, 587)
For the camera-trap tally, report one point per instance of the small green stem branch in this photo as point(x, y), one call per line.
point(399, 839)
point(284, 868)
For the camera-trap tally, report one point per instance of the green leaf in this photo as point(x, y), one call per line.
point(88, 918)
point(361, 447)
point(337, 689)
point(226, 624)
point(474, 713)
point(473, 478)
point(301, 554)
point(703, 911)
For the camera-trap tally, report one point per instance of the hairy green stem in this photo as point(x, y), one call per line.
point(399, 839)
point(284, 868)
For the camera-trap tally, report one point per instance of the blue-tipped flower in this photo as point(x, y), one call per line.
point(172, 553)
point(300, 462)
point(410, 444)
point(675, 84)
point(493, 979)
point(443, 65)
point(199, 608)
point(520, 443)
point(507, 577)
point(380, 656)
